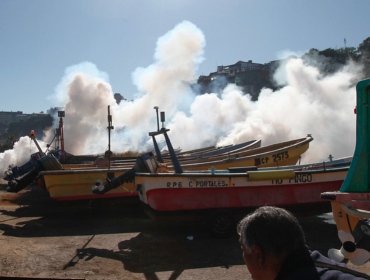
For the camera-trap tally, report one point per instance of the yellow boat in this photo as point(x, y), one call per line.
point(197, 155)
point(75, 184)
point(280, 154)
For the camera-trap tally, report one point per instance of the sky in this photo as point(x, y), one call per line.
point(40, 39)
point(77, 54)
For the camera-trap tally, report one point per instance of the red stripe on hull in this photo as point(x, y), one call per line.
point(93, 196)
point(238, 197)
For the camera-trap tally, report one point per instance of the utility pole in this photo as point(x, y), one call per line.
point(345, 43)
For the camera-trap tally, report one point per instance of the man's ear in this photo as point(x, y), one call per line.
point(259, 254)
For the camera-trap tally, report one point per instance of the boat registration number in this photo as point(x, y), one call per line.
point(275, 158)
point(280, 156)
point(197, 184)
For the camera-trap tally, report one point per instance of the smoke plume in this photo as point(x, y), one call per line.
point(306, 103)
point(20, 153)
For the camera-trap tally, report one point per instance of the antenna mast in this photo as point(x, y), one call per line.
point(110, 127)
point(61, 115)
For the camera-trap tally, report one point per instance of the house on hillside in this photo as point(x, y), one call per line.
point(8, 117)
point(249, 76)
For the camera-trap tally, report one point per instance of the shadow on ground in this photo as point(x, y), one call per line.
point(173, 246)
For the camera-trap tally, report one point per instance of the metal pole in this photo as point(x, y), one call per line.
point(156, 109)
point(62, 138)
point(109, 128)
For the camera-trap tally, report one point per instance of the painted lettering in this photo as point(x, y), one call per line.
point(277, 181)
point(204, 184)
point(197, 184)
point(280, 156)
point(302, 178)
point(298, 178)
point(309, 177)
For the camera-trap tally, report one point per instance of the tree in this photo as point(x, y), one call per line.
point(10, 139)
point(364, 50)
point(364, 47)
point(312, 51)
point(350, 52)
point(6, 146)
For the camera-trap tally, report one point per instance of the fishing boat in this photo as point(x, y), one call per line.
point(196, 155)
point(279, 154)
point(351, 204)
point(284, 153)
point(19, 177)
point(235, 187)
point(75, 183)
point(227, 189)
point(194, 191)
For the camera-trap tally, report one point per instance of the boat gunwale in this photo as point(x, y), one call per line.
point(89, 171)
point(240, 146)
point(327, 170)
point(298, 143)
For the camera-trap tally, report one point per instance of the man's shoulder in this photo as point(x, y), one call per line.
point(326, 269)
point(329, 269)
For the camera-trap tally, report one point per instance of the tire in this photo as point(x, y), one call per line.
point(222, 224)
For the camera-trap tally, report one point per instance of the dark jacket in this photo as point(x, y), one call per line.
point(305, 265)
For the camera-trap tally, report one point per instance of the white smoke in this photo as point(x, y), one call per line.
point(20, 153)
point(60, 97)
point(165, 83)
point(323, 107)
point(306, 103)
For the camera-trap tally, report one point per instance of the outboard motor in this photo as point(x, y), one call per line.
point(145, 163)
point(48, 162)
point(18, 171)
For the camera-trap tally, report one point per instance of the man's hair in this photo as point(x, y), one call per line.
point(108, 153)
point(273, 229)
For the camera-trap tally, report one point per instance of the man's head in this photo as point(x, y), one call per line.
point(267, 236)
point(108, 154)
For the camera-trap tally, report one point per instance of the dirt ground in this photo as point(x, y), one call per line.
point(114, 239)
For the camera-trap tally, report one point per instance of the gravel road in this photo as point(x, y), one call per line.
point(114, 239)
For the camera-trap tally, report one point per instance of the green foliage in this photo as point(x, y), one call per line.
point(364, 47)
point(341, 56)
point(10, 139)
point(364, 51)
point(6, 146)
point(351, 52)
point(313, 51)
point(331, 60)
